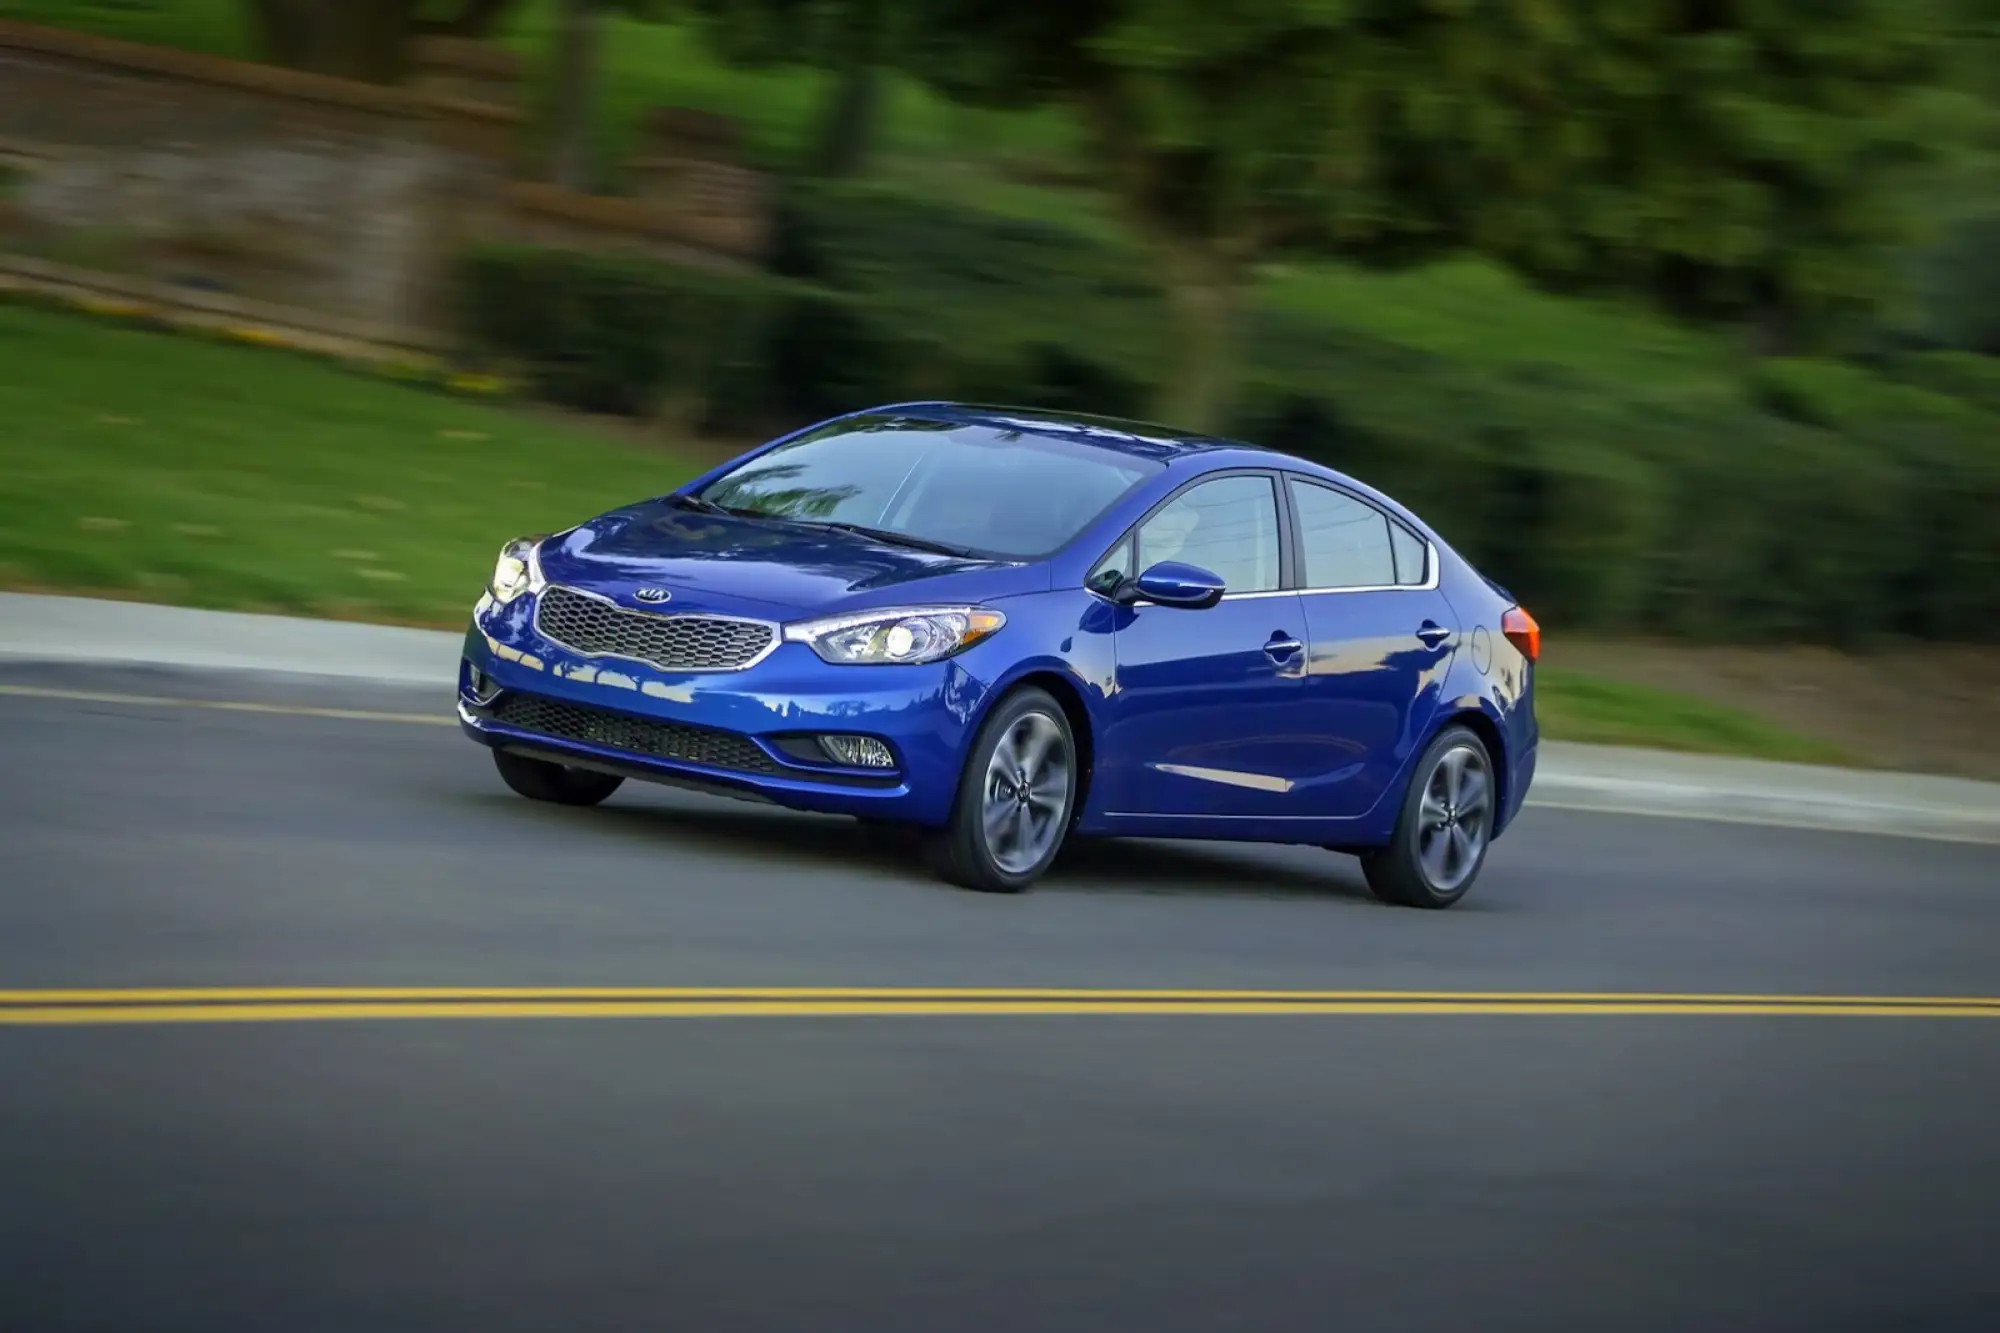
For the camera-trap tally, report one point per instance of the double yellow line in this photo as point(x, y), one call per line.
point(49, 1008)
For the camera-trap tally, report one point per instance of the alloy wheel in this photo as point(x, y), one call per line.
point(1026, 793)
point(1455, 817)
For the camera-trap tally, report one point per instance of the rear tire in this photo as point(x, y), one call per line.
point(539, 780)
point(1016, 799)
point(1444, 829)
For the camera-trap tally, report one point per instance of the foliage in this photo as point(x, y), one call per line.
point(361, 39)
point(1726, 160)
point(613, 334)
point(369, 39)
point(1972, 379)
point(853, 39)
point(1693, 514)
point(1960, 286)
point(1832, 394)
point(911, 311)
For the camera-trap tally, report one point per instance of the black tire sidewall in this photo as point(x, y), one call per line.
point(540, 780)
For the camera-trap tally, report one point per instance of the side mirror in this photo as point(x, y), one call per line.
point(1171, 583)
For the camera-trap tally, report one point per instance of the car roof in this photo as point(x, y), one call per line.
point(1140, 439)
point(1143, 439)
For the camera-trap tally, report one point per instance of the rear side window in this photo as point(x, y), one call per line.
point(1345, 542)
point(1412, 556)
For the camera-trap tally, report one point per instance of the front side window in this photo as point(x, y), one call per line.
point(1113, 569)
point(1345, 542)
point(1015, 494)
point(1228, 526)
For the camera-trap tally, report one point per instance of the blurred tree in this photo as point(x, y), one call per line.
point(367, 39)
point(573, 86)
point(1955, 288)
point(363, 39)
point(1724, 157)
point(850, 39)
point(574, 80)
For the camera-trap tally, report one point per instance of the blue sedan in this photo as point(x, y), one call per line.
point(1007, 628)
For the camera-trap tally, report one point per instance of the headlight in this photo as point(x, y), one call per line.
point(518, 570)
point(902, 637)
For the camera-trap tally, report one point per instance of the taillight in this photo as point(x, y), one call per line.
point(1522, 631)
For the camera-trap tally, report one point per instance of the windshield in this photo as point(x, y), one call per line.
point(998, 492)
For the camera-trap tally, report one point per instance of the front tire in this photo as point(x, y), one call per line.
point(1016, 798)
point(1445, 826)
point(539, 780)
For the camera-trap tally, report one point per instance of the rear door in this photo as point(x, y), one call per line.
point(1205, 714)
point(1381, 637)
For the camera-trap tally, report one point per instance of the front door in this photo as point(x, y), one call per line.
point(1382, 637)
point(1205, 714)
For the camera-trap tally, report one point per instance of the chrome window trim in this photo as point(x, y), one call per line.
point(777, 634)
point(1428, 585)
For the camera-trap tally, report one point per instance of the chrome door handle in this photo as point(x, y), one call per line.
point(1280, 648)
point(1432, 634)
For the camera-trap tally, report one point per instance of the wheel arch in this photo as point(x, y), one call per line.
point(1068, 695)
point(1480, 723)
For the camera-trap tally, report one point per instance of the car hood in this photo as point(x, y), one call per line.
point(762, 567)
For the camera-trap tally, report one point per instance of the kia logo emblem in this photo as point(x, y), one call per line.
point(652, 596)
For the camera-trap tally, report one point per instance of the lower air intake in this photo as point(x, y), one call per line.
point(674, 741)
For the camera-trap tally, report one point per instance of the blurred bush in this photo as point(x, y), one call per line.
point(604, 333)
point(871, 298)
point(1962, 375)
point(1823, 503)
point(1959, 287)
point(1815, 500)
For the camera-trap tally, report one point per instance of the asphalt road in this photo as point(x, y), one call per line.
point(1059, 1171)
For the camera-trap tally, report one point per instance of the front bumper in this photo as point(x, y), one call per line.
point(745, 733)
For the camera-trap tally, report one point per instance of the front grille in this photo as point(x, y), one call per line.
point(596, 628)
point(635, 735)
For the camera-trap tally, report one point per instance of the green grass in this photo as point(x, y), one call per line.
point(216, 27)
point(179, 470)
point(1575, 707)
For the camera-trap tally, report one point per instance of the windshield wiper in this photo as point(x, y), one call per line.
point(894, 538)
point(888, 535)
point(701, 506)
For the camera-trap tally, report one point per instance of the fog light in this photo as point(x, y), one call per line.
point(482, 687)
point(857, 751)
